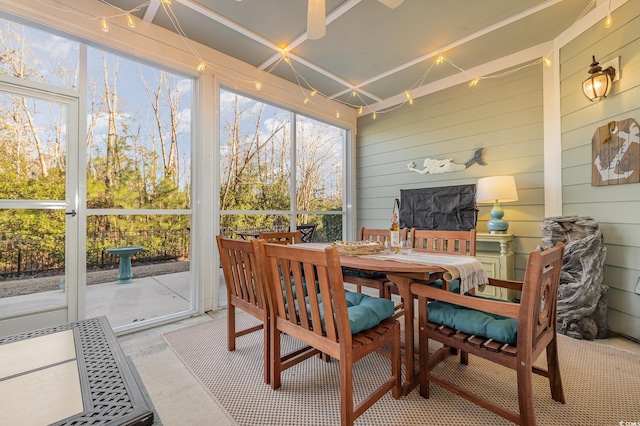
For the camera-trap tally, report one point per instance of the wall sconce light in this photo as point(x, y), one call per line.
point(598, 85)
point(497, 189)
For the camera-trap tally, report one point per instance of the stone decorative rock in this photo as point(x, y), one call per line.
point(582, 298)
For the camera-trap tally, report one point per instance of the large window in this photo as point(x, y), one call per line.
point(278, 170)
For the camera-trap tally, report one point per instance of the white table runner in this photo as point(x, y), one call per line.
point(467, 268)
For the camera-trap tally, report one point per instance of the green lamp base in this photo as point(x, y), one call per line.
point(497, 225)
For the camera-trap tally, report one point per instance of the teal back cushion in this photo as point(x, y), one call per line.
point(364, 311)
point(471, 321)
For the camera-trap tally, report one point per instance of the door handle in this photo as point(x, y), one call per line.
point(72, 213)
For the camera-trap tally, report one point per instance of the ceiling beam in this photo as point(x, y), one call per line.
point(151, 11)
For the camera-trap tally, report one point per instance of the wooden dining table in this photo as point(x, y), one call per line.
point(403, 274)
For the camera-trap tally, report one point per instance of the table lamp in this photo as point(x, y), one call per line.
point(496, 190)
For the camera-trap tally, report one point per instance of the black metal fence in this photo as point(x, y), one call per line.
point(22, 254)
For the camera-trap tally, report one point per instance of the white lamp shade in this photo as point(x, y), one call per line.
point(496, 188)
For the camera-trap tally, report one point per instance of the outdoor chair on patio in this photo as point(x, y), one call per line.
point(308, 231)
point(309, 303)
point(289, 237)
point(510, 334)
point(244, 291)
point(376, 280)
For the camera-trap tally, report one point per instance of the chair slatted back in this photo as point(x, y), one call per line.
point(240, 268)
point(289, 237)
point(380, 235)
point(438, 241)
point(292, 273)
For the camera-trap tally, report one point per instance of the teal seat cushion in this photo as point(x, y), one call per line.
point(471, 321)
point(364, 311)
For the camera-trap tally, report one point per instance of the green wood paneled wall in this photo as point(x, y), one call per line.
point(502, 115)
point(616, 208)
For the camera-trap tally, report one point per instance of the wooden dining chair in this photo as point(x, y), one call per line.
point(510, 334)
point(371, 279)
point(343, 325)
point(245, 290)
point(288, 237)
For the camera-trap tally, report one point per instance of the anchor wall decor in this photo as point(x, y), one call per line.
point(434, 166)
point(616, 153)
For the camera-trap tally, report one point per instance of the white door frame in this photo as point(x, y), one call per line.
point(74, 275)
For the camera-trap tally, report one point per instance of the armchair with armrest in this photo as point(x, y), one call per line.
point(510, 334)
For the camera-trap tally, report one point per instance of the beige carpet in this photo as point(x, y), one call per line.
point(601, 385)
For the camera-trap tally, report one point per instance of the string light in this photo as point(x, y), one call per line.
point(130, 21)
point(258, 85)
point(104, 24)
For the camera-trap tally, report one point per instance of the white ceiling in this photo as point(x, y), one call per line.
point(377, 51)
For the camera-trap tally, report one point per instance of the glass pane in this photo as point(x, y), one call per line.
point(138, 267)
point(319, 165)
point(138, 135)
point(249, 225)
point(32, 259)
point(35, 55)
point(255, 159)
point(33, 145)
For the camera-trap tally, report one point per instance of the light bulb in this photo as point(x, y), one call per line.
point(337, 114)
point(314, 92)
point(407, 94)
point(167, 2)
point(353, 93)
point(202, 66)
point(130, 21)
point(104, 24)
point(474, 82)
point(439, 60)
point(306, 100)
point(410, 101)
point(608, 21)
point(360, 110)
point(546, 61)
point(258, 85)
point(375, 115)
